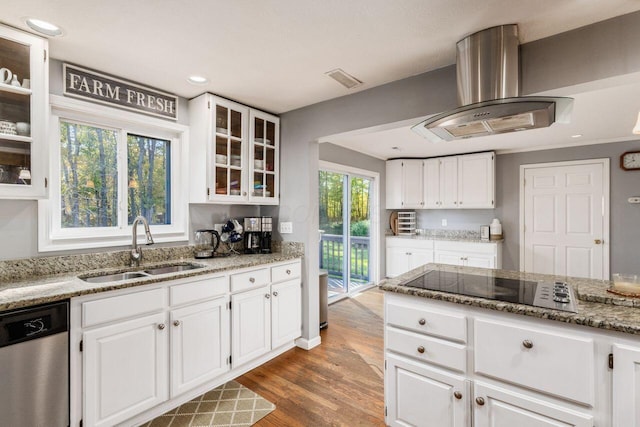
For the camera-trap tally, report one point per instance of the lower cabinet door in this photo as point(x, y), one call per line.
point(485, 261)
point(286, 317)
point(199, 344)
point(250, 325)
point(626, 383)
point(125, 369)
point(453, 258)
point(417, 394)
point(397, 261)
point(419, 257)
point(498, 407)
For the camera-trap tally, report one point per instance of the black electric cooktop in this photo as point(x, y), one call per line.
point(555, 295)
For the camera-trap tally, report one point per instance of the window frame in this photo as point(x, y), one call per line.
point(51, 235)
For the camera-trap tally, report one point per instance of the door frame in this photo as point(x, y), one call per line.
point(606, 200)
point(374, 227)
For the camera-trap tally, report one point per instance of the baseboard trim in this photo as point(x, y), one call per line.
point(306, 344)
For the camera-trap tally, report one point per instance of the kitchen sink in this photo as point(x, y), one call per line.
point(172, 269)
point(118, 277)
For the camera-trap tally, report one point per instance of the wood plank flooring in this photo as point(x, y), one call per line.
point(340, 382)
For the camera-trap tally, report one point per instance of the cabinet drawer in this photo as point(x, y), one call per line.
point(122, 307)
point(249, 280)
point(428, 349)
point(551, 362)
point(420, 319)
point(198, 290)
point(416, 243)
point(466, 247)
point(285, 272)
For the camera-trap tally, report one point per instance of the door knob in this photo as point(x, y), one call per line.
point(480, 401)
point(457, 395)
point(275, 293)
point(176, 323)
point(288, 271)
point(421, 349)
point(422, 321)
point(267, 296)
point(161, 326)
point(597, 241)
point(252, 279)
point(527, 344)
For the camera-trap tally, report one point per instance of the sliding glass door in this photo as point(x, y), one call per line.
point(345, 224)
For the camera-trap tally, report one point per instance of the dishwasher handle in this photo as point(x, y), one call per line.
point(32, 323)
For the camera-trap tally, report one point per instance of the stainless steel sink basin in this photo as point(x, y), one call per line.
point(118, 277)
point(172, 269)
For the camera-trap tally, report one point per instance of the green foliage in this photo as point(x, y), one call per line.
point(360, 228)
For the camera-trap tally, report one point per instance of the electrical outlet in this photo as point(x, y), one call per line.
point(286, 227)
point(444, 222)
point(634, 200)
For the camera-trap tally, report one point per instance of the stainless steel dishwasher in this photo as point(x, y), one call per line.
point(34, 366)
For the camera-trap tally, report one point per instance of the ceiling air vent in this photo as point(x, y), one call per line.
point(343, 78)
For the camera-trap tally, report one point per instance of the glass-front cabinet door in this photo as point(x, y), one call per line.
point(229, 151)
point(264, 137)
point(23, 112)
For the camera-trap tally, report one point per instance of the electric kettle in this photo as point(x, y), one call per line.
point(206, 243)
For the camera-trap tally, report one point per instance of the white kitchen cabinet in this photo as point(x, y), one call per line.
point(626, 385)
point(406, 254)
point(23, 152)
point(199, 343)
point(125, 369)
point(449, 182)
point(404, 184)
point(431, 185)
point(469, 254)
point(234, 153)
point(504, 407)
point(476, 181)
point(286, 321)
point(425, 396)
point(250, 325)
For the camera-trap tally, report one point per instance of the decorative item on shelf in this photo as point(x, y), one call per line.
point(7, 127)
point(23, 128)
point(495, 230)
point(15, 82)
point(485, 232)
point(393, 222)
point(221, 159)
point(407, 223)
point(26, 83)
point(25, 174)
point(258, 164)
point(5, 75)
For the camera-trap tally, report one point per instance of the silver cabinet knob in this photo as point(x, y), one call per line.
point(422, 321)
point(455, 203)
point(161, 326)
point(421, 349)
point(176, 323)
point(252, 279)
point(457, 395)
point(267, 296)
point(480, 401)
point(275, 293)
point(527, 344)
point(244, 193)
point(288, 271)
point(460, 202)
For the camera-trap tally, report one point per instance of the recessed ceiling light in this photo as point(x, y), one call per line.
point(43, 27)
point(577, 135)
point(197, 80)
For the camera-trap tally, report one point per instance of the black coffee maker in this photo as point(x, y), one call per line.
point(257, 235)
point(265, 235)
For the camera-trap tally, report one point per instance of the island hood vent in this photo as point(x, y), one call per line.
point(487, 68)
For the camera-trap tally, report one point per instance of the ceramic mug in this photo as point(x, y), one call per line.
point(26, 83)
point(23, 128)
point(5, 75)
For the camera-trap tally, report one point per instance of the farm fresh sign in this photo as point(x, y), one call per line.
point(96, 87)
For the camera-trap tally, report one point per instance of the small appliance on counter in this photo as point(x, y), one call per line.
point(206, 243)
point(257, 235)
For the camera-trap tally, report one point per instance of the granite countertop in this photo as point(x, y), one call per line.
point(44, 288)
point(596, 307)
point(466, 239)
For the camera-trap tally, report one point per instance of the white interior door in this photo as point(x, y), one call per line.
point(564, 209)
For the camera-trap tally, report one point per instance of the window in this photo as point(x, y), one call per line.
point(106, 168)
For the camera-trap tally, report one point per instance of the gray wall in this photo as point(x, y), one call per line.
point(335, 154)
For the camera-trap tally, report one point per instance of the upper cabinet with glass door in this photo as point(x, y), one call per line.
point(23, 114)
point(233, 151)
point(264, 137)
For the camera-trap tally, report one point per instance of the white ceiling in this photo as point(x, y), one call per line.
point(272, 54)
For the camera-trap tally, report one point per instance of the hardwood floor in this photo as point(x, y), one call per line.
point(340, 382)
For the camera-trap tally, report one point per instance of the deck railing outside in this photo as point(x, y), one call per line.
point(332, 256)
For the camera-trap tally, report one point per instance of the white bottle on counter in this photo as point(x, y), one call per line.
point(495, 229)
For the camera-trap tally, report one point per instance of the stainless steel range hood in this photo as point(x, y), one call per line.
point(488, 91)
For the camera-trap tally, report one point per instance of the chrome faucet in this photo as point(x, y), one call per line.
point(136, 252)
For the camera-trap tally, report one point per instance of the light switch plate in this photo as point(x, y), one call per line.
point(286, 227)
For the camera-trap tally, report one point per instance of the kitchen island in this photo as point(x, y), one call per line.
point(464, 360)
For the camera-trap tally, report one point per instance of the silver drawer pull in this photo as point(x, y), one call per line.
point(252, 279)
point(422, 321)
point(457, 395)
point(288, 271)
point(527, 344)
point(161, 326)
point(421, 349)
point(275, 293)
point(267, 296)
point(176, 323)
point(480, 401)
